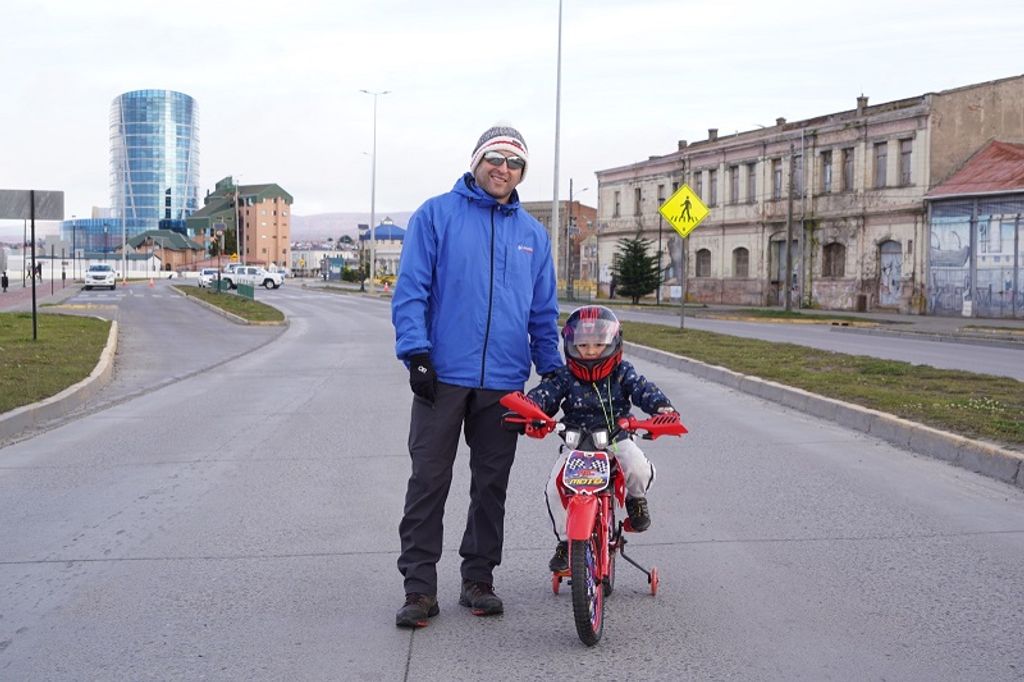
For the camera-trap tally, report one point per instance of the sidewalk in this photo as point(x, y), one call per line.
point(18, 299)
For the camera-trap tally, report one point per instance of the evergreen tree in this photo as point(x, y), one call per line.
point(635, 268)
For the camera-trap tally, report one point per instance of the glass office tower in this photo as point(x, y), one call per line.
point(154, 159)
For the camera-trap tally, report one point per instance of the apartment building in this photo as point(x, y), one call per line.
point(843, 193)
point(259, 216)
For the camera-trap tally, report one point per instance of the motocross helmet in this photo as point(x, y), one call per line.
point(592, 324)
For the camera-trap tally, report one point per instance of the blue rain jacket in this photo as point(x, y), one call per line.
point(476, 290)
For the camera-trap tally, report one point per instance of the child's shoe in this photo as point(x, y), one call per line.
point(639, 518)
point(560, 561)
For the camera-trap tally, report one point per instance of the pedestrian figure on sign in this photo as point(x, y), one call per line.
point(4, 282)
point(686, 211)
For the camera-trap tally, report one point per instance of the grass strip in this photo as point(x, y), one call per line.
point(247, 309)
point(65, 351)
point(978, 406)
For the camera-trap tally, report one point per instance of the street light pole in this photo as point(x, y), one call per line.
point(373, 188)
point(558, 115)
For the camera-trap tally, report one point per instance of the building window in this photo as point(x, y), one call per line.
point(704, 263)
point(637, 200)
point(661, 195)
point(618, 205)
point(776, 178)
point(734, 184)
point(698, 183)
point(881, 157)
point(906, 148)
point(833, 261)
point(751, 182)
point(798, 175)
point(713, 187)
point(826, 171)
point(740, 262)
point(675, 187)
point(848, 169)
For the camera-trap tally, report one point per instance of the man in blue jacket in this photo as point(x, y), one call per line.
point(474, 305)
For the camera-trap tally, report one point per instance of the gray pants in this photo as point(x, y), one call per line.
point(433, 441)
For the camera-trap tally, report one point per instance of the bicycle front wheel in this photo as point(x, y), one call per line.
point(587, 590)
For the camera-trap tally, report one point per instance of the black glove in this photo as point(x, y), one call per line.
point(422, 377)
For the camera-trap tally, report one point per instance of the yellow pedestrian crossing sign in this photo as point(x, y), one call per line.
point(684, 210)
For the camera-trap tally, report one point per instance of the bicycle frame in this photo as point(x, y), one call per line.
point(591, 483)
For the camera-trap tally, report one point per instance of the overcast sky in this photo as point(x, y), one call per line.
point(278, 84)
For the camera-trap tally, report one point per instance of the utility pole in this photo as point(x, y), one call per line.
point(789, 235)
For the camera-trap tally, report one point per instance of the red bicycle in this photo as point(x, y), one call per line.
point(591, 480)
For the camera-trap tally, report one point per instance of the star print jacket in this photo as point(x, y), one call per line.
point(592, 404)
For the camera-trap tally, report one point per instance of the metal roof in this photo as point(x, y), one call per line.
point(997, 168)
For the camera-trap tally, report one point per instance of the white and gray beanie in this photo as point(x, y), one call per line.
point(500, 137)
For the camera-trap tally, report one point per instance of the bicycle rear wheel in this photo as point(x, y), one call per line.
point(587, 590)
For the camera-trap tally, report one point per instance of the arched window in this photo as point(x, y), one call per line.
point(833, 261)
point(740, 262)
point(704, 263)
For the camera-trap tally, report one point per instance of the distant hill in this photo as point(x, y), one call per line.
point(323, 225)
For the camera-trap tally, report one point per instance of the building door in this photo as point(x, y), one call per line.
point(890, 278)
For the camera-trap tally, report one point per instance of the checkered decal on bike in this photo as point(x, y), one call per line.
point(586, 471)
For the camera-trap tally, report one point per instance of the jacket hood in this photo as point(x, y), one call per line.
point(466, 186)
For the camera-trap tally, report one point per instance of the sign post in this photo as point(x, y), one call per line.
point(684, 211)
point(31, 204)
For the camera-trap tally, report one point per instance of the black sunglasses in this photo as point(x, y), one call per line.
point(497, 158)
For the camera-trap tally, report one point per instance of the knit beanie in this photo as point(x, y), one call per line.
point(500, 137)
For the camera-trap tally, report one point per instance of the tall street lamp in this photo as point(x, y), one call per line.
point(373, 187)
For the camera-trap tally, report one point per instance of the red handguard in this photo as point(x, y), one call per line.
point(667, 424)
point(539, 424)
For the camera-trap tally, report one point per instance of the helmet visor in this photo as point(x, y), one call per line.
point(598, 331)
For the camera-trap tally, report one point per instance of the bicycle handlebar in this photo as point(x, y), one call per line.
point(538, 424)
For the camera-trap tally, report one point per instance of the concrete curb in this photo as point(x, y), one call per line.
point(71, 398)
point(977, 456)
point(231, 316)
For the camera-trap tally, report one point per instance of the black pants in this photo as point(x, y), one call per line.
point(433, 441)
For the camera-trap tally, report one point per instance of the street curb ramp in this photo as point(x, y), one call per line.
point(980, 457)
point(71, 398)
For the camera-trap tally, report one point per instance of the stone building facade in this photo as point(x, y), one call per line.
point(845, 190)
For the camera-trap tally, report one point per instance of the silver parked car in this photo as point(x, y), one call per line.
point(207, 276)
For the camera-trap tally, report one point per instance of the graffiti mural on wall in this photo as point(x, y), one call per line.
point(949, 272)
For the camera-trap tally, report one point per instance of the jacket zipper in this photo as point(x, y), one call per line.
point(490, 305)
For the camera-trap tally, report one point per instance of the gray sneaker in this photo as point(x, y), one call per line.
point(480, 598)
point(417, 610)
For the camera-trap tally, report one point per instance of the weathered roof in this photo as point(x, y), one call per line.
point(996, 168)
point(165, 239)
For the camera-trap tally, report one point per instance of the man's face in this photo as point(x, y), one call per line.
point(498, 180)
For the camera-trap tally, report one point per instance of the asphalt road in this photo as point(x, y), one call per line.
point(241, 524)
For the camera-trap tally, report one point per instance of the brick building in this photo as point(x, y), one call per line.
point(260, 214)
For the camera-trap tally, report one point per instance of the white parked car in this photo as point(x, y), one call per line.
point(100, 275)
point(207, 276)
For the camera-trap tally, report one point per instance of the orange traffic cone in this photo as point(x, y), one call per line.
point(386, 289)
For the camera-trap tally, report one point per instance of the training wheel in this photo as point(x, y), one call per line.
point(556, 581)
point(653, 580)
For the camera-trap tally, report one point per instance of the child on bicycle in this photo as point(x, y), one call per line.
point(594, 390)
